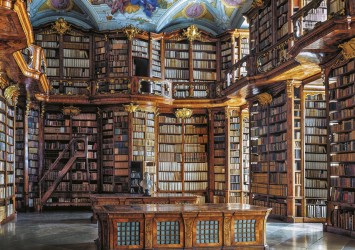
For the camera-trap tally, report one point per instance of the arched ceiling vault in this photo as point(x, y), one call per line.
point(213, 16)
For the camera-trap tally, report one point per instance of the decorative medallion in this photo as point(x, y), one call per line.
point(232, 3)
point(348, 49)
point(192, 33)
point(183, 113)
point(64, 5)
point(61, 26)
point(195, 10)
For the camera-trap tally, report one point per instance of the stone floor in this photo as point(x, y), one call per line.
point(73, 231)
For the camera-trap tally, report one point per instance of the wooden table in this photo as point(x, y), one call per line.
point(156, 198)
point(182, 226)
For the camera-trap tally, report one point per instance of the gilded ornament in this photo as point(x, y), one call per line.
point(41, 97)
point(257, 3)
point(131, 107)
point(227, 229)
point(348, 49)
point(148, 233)
point(289, 88)
point(61, 26)
point(12, 93)
point(71, 110)
point(183, 113)
point(130, 31)
point(3, 81)
point(264, 98)
point(192, 33)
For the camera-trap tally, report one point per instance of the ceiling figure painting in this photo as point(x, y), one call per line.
point(213, 16)
point(129, 6)
point(61, 4)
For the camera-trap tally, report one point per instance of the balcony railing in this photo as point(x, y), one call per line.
point(309, 17)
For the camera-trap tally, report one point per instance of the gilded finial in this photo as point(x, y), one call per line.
point(192, 33)
point(130, 31)
point(61, 26)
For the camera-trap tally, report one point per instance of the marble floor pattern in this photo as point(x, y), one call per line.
point(74, 231)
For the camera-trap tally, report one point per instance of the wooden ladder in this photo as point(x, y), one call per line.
point(75, 154)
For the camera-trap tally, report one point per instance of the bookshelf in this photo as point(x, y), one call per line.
point(341, 167)
point(234, 47)
point(204, 61)
point(108, 157)
point(82, 178)
point(20, 160)
point(32, 141)
point(76, 55)
point(57, 134)
point(51, 46)
point(156, 57)
point(140, 57)
point(274, 174)
point(315, 162)
point(121, 151)
point(85, 125)
point(100, 56)
point(220, 153)
point(7, 160)
point(118, 57)
point(176, 61)
point(182, 158)
point(238, 153)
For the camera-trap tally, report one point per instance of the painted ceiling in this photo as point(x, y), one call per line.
point(213, 16)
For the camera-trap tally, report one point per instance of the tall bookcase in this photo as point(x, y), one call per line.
point(275, 167)
point(229, 143)
point(7, 159)
point(182, 154)
point(32, 165)
point(341, 167)
point(83, 176)
point(20, 159)
point(315, 155)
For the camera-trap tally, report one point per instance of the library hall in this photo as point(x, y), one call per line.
point(177, 124)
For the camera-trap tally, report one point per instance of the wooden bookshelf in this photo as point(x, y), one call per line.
point(182, 158)
point(204, 61)
point(100, 56)
point(315, 162)
point(177, 65)
point(156, 58)
point(118, 57)
point(220, 155)
point(51, 44)
point(32, 140)
point(341, 167)
point(7, 160)
point(76, 55)
point(20, 159)
point(121, 150)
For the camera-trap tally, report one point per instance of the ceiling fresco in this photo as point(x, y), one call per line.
point(213, 16)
